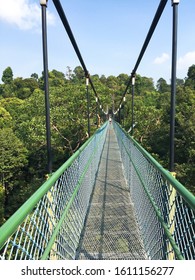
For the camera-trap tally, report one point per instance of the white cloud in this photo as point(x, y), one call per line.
point(161, 59)
point(23, 13)
point(186, 61)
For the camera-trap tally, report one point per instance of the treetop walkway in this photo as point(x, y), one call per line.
point(104, 204)
point(111, 199)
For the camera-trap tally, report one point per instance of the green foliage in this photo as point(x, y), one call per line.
point(143, 84)
point(13, 159)
point(185, 131)
point(56, 79)
point(5, 118)
point(152, 118)
point(7, 76)
point(162, 86)
point(78, 75)
point(23, 158)
point(13, 155)
point(190, 80)
point(23, 88)
point(35, 76)
point(7, 90)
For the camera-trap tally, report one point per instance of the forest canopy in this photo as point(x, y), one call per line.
point(23, 158)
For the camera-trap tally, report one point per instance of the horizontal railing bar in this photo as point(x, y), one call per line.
point(186, 194)
point(11, 225)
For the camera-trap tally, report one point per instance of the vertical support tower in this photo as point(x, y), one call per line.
point(43, 4)
point(173, 83)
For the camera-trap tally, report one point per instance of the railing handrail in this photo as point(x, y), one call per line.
point(185, 193)
point(11, 225)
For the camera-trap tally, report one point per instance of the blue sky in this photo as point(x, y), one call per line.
point(109, 33)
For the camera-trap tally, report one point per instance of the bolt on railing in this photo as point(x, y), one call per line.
point(165, 209)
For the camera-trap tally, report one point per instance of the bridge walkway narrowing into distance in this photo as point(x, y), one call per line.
point(111, 230)
point(84, 209)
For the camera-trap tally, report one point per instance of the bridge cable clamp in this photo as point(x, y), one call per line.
point(175, 2)
point(43, 2)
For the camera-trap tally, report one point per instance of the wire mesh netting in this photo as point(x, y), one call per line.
point(166, 221)
point(52, 230)
point(111, 230)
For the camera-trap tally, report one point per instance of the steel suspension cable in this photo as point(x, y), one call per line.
point(76, 48)
point(150, 32)
point(155, 21)
point(69, 32)
point(74, 43)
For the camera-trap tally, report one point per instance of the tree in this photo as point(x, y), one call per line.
point(184, 136)
point(190, 80)
point(112, 83)
point(13, 159)
point(56, 79)
point(123, 79)
point(103, 79)
point(69, 73)
point(5, 118)
point(35, 76)
point(162, 86)
point(143, 84)
point(79, 74)
point(179, 82)
point(23, 134)
point(7, 76)
point(12, 105)
point(6, 89)
point(13, 155)
point(23, 88)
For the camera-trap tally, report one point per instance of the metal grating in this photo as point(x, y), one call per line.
point(111, 230)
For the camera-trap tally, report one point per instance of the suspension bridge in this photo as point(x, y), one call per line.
point(111, 199)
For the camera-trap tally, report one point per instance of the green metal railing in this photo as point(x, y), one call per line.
point(164, 207)
point(49, 224)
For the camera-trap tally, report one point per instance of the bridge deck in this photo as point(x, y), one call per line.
point(111, 230)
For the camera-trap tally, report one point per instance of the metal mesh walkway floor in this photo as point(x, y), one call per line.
point(111, 230)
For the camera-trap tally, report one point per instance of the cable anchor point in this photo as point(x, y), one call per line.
point(43, 2)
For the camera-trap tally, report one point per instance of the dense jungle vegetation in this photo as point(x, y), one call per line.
point(22, 125)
